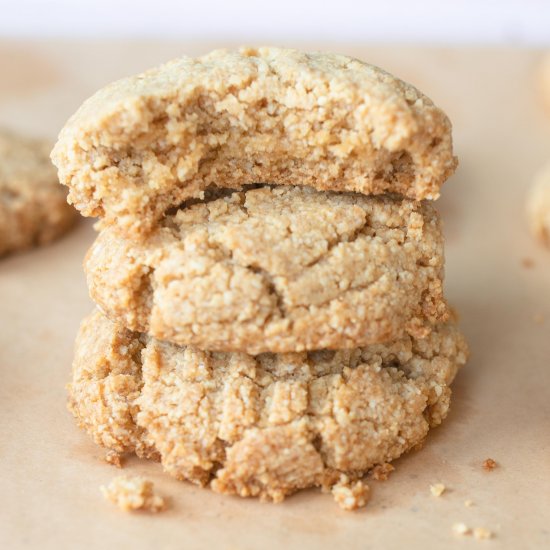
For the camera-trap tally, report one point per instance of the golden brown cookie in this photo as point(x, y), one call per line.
point(277, 269)
point(538, 206)
point(147, 143)
point(33, 206)
point(261, 426)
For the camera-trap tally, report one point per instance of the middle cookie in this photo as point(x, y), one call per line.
point(277, 269)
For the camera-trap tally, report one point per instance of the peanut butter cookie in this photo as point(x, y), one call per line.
point(33, 206)
point(538, 206)
point(147, 143)
point(262, 426)
point(277, 269)
point(544, 81)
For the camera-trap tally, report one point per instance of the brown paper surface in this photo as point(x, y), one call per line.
point(50, 472)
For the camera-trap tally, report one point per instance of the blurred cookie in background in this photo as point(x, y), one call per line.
point(538, 205)
point(544, 81)
point(33, 206)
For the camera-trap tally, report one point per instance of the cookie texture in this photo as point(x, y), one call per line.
point(107, 381)
point(33, 206)
point(538, 206)
point(265, 425)
point(277, 269)
point(147, 143)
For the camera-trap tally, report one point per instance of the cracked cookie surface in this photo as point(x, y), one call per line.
point(147, 143)
point(33, 206)
point(267, 425)
point(277, 269)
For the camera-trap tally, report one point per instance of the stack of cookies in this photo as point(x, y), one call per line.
point(268, 277)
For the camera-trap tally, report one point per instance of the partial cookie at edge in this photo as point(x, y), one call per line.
point(544, 81)
point(33, 206)
point(538, 206)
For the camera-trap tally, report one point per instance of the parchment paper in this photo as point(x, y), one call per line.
point(50, 472)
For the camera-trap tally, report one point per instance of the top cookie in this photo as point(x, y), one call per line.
point(149, 142)
point(33, 206)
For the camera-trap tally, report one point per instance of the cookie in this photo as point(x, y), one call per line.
point(265, 425)
point(277, 269)
point(538, 206)
point(544, 81)
point(33, 206)
point(147, 143)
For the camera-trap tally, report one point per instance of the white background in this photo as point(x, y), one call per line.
point(426, 21)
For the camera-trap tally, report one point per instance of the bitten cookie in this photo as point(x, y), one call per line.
point(262, 426)
point(277, 269)
point(145, 144)
point(33, 206)
point(538, 206)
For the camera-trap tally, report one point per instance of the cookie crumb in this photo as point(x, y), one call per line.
point(468, 503)
point(133, 493)
point(481, 533)
point(461, 529)
point(489, 464)
point(351, 496)
point(527, 263)
point(381, 472)
point(437, 489)
point(113, 458)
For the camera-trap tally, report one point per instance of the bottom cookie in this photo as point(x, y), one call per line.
point(265, 425)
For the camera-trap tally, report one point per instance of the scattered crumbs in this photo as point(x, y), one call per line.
point(528, 263)
point(481, 533)
point(468, 503)
point(489, 464)
point(437, 489)
point(351, 496)
point(133, 493)
point(538, 318)
point(381, 472)
point(113, 458)
point(461, 529)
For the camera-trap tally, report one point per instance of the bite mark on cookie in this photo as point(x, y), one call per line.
point(147, 143)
